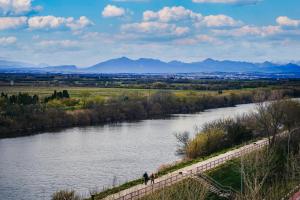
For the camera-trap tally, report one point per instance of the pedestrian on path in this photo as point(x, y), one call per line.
point(146, 178)
point(152, 178)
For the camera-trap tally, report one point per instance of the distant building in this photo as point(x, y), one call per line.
point(12, 83)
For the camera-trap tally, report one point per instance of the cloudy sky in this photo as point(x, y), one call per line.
point(84, 32)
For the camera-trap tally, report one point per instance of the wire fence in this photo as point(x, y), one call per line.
point(175, 178)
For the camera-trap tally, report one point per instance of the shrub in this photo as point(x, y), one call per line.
point(205, 143)
point(218, 135)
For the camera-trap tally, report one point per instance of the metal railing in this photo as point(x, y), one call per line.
point(219, 188)
point(175, 178)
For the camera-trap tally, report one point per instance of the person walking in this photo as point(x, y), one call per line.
point(152, 178)
point(146, 178)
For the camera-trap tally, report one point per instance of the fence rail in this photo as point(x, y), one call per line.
point(291, 193)
point(178, 177)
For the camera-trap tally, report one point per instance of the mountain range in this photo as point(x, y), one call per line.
point(149, 65)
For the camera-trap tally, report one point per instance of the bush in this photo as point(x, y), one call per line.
point(218, 135)
point(205, 143)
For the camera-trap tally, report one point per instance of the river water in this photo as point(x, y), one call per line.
point(83, 159)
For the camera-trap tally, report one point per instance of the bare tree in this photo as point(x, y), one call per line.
point(182, 142)
point(255, 171)
point(291, 116)
point(269, 118)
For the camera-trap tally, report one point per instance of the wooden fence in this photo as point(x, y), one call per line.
point(180, 176)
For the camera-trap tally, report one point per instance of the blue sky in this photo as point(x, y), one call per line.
point(84, 32)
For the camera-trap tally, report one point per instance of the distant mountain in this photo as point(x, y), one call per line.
point(21, 67)
point(210, 65)
point(4, 64)
point(148, 65)
point(126, 65)
point(288, 68)
point(145, 65)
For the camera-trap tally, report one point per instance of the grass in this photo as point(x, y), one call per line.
point(75, 92)
point(227, 174)
point(115, 190)
point(188, 189)
point(81, 92)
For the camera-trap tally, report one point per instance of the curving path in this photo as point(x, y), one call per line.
point(140, 190)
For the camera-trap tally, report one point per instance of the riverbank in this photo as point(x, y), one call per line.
point(22, 120)
point(269, 173)
point(236, 132)
point(258, 169)
point(177, 173)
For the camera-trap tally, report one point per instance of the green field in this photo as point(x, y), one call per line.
point(80, 92)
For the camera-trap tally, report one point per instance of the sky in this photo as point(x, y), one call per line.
point(86, 32)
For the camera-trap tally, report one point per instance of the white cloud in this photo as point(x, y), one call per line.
point(179, 13)
point(250, 30)
point(177, 21)
point(146, 27)
point(168, 14)
point(52, 22)
point(5, 41)
point(91, 35)
point(61, 44)
point(12, 22)
point(156, 28)
point(197, 39)
point(81, 23)
point(181, 30)
point(285, 21)
point(219, 21)
point(113, 11)
point(240, 2)
point(46, 22)
point(17, 7)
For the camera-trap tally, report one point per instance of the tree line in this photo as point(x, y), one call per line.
point(20, 99)
point(22, 118)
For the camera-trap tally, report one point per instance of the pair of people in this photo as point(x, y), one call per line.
point(147, 178)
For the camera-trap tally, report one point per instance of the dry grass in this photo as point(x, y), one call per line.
point(65, 195)
point(185, 190)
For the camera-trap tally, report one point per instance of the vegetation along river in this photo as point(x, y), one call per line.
point(33, 167)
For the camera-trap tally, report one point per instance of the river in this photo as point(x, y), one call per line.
point(34, 167)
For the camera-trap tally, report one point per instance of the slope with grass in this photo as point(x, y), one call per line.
point(181, 174)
